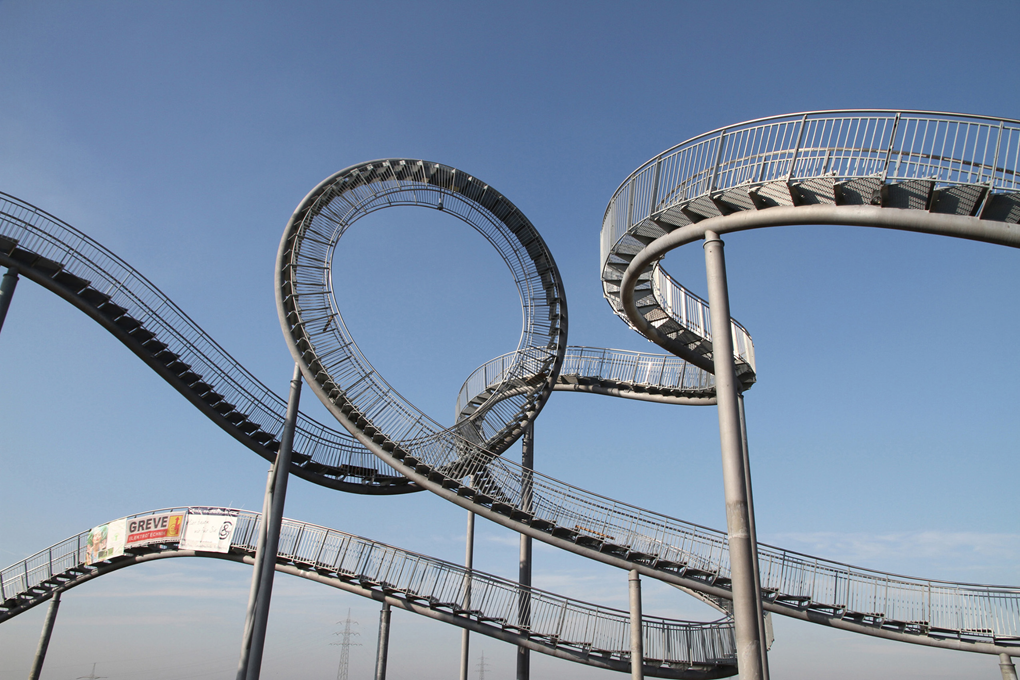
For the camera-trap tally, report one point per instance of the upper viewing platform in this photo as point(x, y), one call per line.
point(942, 163)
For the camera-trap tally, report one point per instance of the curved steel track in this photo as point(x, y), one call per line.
point(928, 172)
point(558, 626)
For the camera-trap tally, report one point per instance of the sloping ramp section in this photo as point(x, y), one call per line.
point(561, 627)
point(462, 464)
point(115, 295)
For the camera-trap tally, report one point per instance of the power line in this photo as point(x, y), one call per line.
point(345, 645)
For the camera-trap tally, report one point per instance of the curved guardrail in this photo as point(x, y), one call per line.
point(622, 373)
point(923, 172)
point(74, 266)
point(578, 631)
point(941, 163)
point(460, 468)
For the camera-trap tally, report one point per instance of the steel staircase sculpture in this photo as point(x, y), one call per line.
point(959, 616)
point(93, 279)
point(558, 626)
point(928, 172)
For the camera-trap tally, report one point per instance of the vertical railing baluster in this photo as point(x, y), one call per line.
point(892, 141)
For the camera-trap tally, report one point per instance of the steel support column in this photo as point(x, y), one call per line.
point(7, 286)
point(47, 631)
point(469, 558)
point(384, 642)
point(524, 573)
point(747, 623)
point(637, 638)
point(281, 473)
point(256, 577)
point(754, 541)
point(1007, 667)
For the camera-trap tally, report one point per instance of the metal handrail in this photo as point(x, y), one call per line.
point(619, 366)
point(592, 524)
point(339, 454)
point(947, 149)
point(416, 577)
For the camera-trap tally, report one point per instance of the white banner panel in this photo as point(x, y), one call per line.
point(209, 529)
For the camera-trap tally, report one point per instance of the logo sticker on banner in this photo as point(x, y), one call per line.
point(105, 542)
point(209, 529)
point(161, 528)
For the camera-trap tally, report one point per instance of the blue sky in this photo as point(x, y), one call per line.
point(182, 135)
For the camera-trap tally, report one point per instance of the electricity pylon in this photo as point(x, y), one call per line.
point(345, 645)
point(482, 667)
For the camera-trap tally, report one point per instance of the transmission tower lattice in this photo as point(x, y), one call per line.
point(345, 645)
point(482, 667)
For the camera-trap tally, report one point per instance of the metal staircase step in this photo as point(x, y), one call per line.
point(957, 200)
point(93, 297)
point(1003, 208)
point(910, 195)
point(68, 280)
point(7, 245)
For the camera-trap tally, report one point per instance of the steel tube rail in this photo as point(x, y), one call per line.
point(588, 524)
point(634, 375)
point(560, 626)
point(935, 173)
point(86, 274)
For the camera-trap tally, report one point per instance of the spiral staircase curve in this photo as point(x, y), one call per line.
point(462, 463)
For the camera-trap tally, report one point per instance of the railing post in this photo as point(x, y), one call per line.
point(796, 149)
point(637, 642)
point(892, 142)
point(655, 186)
point(524, 573)
point(718, 158)
point(7, 286)
point(741, 544)
point(995, 159)
point(384, 642)
point(251, 663)
point(44, 639)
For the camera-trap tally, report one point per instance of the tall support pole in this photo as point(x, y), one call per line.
point(637, 639)
point(281, 472)
point(763, 642)
point(1007, 667)
point(47, 631)
point(524, 606)
point(742, 548)
point(7, 286)
point(469, 558)
point(384, 642)
point(256, 577)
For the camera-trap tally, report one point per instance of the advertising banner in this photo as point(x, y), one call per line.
point(160, 528)
point(105, 542)
point(209, 529)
